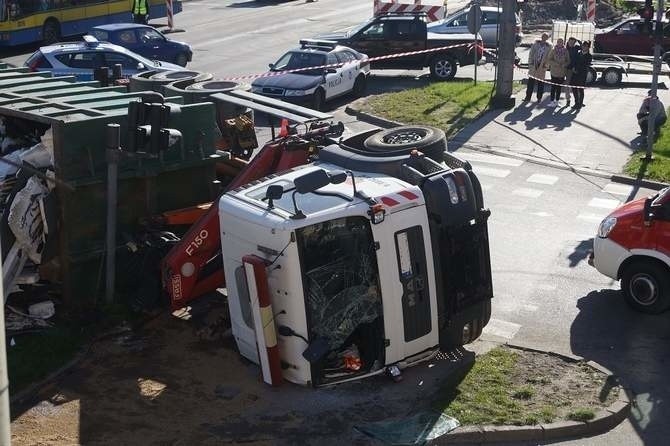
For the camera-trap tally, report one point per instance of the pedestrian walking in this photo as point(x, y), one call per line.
point(580, 69)
point(573, 51)
point(557, 61)
point(140, 11)
point(537, 68)
point(651, 102)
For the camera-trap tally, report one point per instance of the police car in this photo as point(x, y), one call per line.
point(314, 87)
point(81, 58)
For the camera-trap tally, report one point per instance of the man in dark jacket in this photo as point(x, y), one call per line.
point(573, 51)
point(650, 103)
point(140, 11)
point(581, 66)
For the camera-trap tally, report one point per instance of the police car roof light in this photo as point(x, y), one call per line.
point(318, 43)
point(91, 41)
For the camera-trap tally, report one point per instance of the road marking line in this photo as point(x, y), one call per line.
point(491, 172)
point(546, 287)
point(618, 189)
point(487, 187)
point(591, 217)
point(501, 329)
point(490, 159)
point(527, 192)
point(542, 214)
point(542, 179)
point(529, 308)
point(604, 203)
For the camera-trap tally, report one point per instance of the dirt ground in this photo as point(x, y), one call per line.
point(564, 385)
point(164, 386)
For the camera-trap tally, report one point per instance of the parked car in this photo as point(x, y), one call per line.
point(633, 245)
point(315, 87)
point(630, 36)
point(398, 33)
point(145, 41)
point(457, 23)
point(81, 58)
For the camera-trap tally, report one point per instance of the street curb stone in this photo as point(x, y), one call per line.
point(604, 420)
point(614, 177)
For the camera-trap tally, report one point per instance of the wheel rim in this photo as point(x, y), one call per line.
point(443, 68)
point(611, 77)
point(405, 137)
point(643, 289)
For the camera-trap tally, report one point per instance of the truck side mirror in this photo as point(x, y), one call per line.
point(274, 192)
point(311, 181)
point(316, 350)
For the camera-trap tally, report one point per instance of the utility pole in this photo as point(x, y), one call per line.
point(5, 437)
point(505, 76)
point(658, 41)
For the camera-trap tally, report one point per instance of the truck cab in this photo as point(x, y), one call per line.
point(633, 245)
point(355, 265)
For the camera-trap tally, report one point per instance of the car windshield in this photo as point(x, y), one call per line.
point(354, 29)
point(102, 36)
point(295, 60)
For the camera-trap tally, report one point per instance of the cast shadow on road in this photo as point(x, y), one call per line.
point(634, 347)
point(580, 252)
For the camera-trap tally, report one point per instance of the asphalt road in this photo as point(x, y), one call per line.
point(542, 223)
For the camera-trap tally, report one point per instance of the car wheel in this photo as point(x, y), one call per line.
point(591, 76)
point(318, 100)
point(360, 85)
point(646, 286)
point(612, 77)
point(429, 140)
point(443, 67)
point(51, 32)
point(181, 60)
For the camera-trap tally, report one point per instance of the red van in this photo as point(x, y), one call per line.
point(633, 245)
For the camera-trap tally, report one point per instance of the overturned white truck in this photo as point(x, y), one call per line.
point(358, 263)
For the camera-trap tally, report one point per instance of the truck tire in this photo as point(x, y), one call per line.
point(646, 286)
point(591, 76)
point(443, 67)
point(397, 141)
point(612, 77)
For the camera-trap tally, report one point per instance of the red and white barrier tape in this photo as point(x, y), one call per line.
point(368, 60)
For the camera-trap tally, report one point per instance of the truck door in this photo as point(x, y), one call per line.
point(408, 286)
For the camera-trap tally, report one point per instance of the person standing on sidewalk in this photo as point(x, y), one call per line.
point(537, 66)
point(581, 68)
point(573, 51)
point(557, 61)
point(140, 11)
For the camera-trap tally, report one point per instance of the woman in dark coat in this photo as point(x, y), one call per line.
point(581, 66)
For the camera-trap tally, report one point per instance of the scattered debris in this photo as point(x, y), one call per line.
point(416, 429)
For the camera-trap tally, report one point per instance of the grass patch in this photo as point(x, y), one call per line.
point(659, 169)
point(581, 415)
point(447, 105)
point(511, 387)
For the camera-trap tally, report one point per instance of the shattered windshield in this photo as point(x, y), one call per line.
point(341, 278)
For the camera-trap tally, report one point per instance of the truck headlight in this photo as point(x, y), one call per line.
point(606, 227)
point(294, 92)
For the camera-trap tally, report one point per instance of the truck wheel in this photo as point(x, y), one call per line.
point(360, 85)
point(443, 67)
point(51, 31)
point(591, 76)
point(429, 140)
point(318, 100)
point(612, 77)
point(646, 286)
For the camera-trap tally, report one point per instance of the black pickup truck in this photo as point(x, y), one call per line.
point(391, 34)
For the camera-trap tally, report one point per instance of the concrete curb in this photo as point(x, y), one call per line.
point(604, 420)
point(616, 178)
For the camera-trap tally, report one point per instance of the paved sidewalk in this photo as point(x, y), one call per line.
point(600, 136)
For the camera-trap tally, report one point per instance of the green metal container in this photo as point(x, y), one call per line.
point(78, 114)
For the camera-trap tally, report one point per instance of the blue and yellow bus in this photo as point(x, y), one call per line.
point(27, 21)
